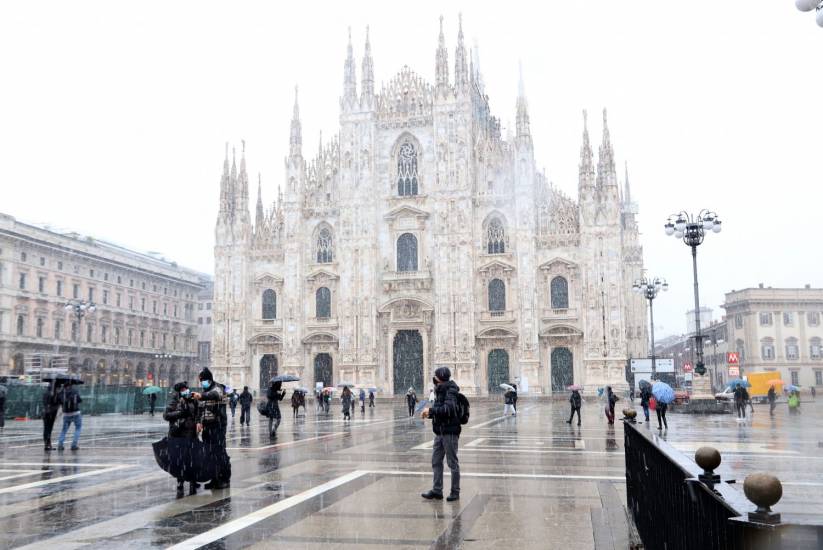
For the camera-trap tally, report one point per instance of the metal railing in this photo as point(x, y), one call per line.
point(675, 504)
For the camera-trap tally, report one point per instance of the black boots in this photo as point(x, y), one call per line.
point(431, 495)
point(452, 497)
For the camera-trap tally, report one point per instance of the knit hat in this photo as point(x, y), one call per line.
point(443, 374)
point(180, 386)
point(206, 374)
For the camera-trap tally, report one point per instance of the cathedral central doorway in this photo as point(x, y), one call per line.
point(408, 361)
point(498, 369)
point(268, 368)
point(562, 369)
point(323, 369)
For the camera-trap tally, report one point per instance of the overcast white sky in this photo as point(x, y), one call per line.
point(114, 115)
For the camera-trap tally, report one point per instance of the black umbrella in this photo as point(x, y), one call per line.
point(263, 408)
point(189, 459)
point(285, 378)
point(63, 379)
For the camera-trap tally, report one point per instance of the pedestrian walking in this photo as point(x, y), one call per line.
point(181, 414)
point(371, 399)
point(51, 406)
point(508, 402)
point(245, 401)
point(347, 398)
point(353, 404)
point(295, 403)
point(814, 392)
point(772, 397)
point(326, 401)
point(212, 423)
point(152, 403)
point(70, 403)
point(645, 400)
point(411, 401)
point(575, 402)
point(611, 400)
point(514, 399)
point(740, 401)
point(660, 408)
point(431, 394)
point(274, 395)
point(447, 416)
point(362, 400)
point(233, 398)
point(794, 402)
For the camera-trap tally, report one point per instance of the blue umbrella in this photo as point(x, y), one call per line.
point(792, 387)
point(739, 382)
point(421, 406)
point(662, 392)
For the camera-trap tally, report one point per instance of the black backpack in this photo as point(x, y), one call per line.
point(463, 404)
point(70, 401)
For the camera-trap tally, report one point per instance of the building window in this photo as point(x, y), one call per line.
point(325, 246)
point(269, 304)
point(497, 297)
point(767, 348)
point(153, 339)
point(765, 319)
point(59, 288)
point(89, 332)
point(818, 378)
point(58, 329)
point(200, 320)
point(41, 284)
point(23, 256)
point(91, 273)
point(200, 306)
point(42, 261)
point(815, 348)
point(117, 336)
point(23, 281)
point(39, 327)
point(175, 312)
point(495, 237)
point(119, 280)
point(21, 325)
point(91, 295)
point(322, 299)
point(142, 338)
point(131, 336)
point(154, 288)
point(795, 377)
point(104, 333)
point(792, 350)
point(75, 291)
point(788, 319)
point(131, 302)
point(406, 253)
point(154, 306)
point(142, 304)
point(208, 320)
point(560, 293)
point(143, 285)
point(165, 338)
point(208, 306)
point(738, 321)
point(165, 309)
point(813, 318)
point(74, 331)
point(105, 276)
point(407, 170)
point(60, 266)
point(105, 296)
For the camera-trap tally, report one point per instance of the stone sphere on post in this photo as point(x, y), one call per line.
point(707, 458)
point(764, 490)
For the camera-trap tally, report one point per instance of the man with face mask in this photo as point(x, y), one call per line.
point(445, 414)
point(211, 423)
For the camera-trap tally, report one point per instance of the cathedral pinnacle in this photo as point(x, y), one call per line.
point(522, 109)
point(349, 78)
point(627, 192)
point(442, 64)
point(296, 136)
point(258, 218)
point(606, 172)
point(367, 93)
point(586, 168)
point(461, 69)
point(225, 185)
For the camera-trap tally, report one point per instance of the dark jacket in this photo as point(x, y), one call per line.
point(70, 400)
point(645, 397)
point(575, 399)
point(245, 399)
point(772, 395)
point(509, 395)
point(612, 400)
point(445, 411)
point(214, 400)
point(181, 414)
point(411, 399)
point(346, 399)
point(274, 396)
point(51, 402)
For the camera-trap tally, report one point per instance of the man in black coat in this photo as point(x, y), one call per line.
point(245, 401)
point(212, 422)
point(51, 406)
point(181, 414)
point(445, 414)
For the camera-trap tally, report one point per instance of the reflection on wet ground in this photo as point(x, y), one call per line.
point(528, 482)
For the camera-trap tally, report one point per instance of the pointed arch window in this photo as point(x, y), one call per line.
point(497, 297)
point(269, 304)
point(495, 237)
point(407, 253)
point(407, 170)
point(322, 305)
point(325, 246)
point(560, 293)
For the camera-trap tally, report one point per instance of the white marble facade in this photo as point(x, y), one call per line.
point(420, 237)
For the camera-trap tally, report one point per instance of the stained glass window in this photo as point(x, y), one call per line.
point(407, 252)
point(407, 170)
point(560, 293)
point(497, 296)
point(269, 304)
point(322, 303)
point(325, 247)
point(495, 237)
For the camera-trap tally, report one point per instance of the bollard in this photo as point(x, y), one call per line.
point(764, 490)
point(709, 459)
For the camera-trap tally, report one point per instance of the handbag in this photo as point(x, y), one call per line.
point(653, 403)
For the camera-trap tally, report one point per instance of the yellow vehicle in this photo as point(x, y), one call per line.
point(760, 383)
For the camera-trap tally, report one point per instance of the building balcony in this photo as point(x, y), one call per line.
point(497, 316)
point(564, 314)
point(407, 280)
point(321, 323)
point(268, 325)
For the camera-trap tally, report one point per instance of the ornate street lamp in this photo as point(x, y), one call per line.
point(649, 289)
point(693, 229)
point(809, 5)
point(79, 308)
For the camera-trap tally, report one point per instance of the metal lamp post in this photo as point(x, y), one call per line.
point(649, 288)
point(79, 308)
point(693, 229)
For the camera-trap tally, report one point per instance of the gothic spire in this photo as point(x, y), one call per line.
point(442, 64)
point(296, 137)
point(461, 69)
point(233, 184)
point(258, 217)
point(367, 92)
point(349, 78)
point(586, 168)
point(522, 109)
point(243, 187)
point(606, 171)
point(225, 184)
point(627, 192)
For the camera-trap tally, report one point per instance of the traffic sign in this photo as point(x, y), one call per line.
point(733, 358)
point(687, 367)
point(734, 371)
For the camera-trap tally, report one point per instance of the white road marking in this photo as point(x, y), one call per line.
point(21, 473)
point(475, 442)
point(287, 443)
point(503, 475)
point(257, 516)
point(34, 484)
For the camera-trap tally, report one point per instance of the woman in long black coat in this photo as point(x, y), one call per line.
point(274, 395)
point(181, 414)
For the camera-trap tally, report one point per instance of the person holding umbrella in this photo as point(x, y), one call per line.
point(411, 400)
point(772, 397)
point(70, 402)
point(508, 399)
point(181, 414)
point(575, 401)
point(371, 398)
point(274, 395)
point(51, 405)
point(740, 401)
point(152, 403)
point(362, 401)
point(663, 395)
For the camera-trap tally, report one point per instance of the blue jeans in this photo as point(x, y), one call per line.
point(646, 411)
point(77, 420)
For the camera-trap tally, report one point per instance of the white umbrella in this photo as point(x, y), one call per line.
point(507, 387)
